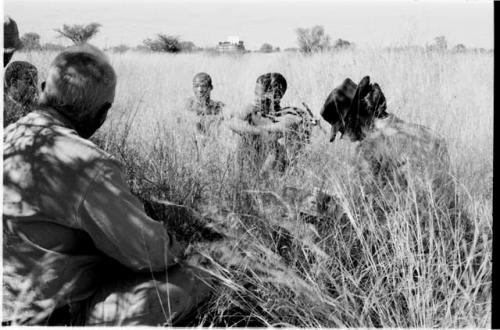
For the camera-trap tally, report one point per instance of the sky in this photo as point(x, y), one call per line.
point(206, 22)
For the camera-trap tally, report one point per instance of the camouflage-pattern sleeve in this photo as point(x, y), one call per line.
point(117, 223)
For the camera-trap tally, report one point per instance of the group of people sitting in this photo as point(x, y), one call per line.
point(20, 78)
point(286, 129)
point(78, 247)
point(270, 136)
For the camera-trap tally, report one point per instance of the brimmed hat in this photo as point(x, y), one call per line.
point(338, 103)
point(11, 41)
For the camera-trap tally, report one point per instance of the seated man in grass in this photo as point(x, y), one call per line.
point(261, 127)
point(20, 90)
point(78, 247)
point(209, 112)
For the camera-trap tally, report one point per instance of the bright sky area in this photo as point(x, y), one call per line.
point(206, 22)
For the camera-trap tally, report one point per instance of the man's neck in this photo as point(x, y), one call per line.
point(203, 102)
point(61, 118)
point(267, 107)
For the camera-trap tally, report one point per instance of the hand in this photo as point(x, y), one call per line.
point(176, 249)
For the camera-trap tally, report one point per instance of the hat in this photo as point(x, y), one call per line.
point(11, 41)
point(337, 105)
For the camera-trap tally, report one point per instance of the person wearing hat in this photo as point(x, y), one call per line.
point(75, 238)
point(260, 128)
point(20, 90)
point(393, 152)
point(337, 106)
point(11, 41)
point(208, 111)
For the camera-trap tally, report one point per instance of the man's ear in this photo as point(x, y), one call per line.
point(102, 113)
point(43, 86)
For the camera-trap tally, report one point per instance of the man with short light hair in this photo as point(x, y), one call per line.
point(75, 238)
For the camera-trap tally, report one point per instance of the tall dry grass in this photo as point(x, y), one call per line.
point(359, 264)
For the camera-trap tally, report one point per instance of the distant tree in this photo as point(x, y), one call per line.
point(266, 48)
point(277, 49)
point(163, 43)
point(31, 41)
point(187, 46)
point(460, 48)
point(210, 50)
point(52, 47)
point(313, 39)
point(291, 49)
point(119, 49)
point(342, 44)
point(481, 50)
point(79, 34)
point(441, 43)
point(141, 48)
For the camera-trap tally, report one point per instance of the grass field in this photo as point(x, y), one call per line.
point(274, 268)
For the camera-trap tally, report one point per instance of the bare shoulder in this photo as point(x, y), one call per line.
point(189, 104)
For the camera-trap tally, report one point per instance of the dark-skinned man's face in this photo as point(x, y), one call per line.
point(202, 89)
point(24, 89)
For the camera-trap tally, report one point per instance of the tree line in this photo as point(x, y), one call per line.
point(309, 40)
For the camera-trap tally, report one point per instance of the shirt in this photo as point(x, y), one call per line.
point(68, 213)
point(209, 114)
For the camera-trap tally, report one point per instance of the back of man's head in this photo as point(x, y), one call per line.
point(80, 83)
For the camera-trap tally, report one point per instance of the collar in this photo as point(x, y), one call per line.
point(54, 117)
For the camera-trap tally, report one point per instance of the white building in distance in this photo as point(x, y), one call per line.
point(233, 44)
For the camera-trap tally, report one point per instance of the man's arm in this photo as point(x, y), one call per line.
point(116, 222)
point(241, 127)
point(282, 125)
